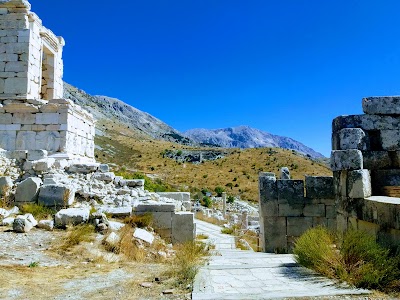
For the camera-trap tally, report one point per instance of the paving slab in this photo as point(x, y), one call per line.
point(236, 274)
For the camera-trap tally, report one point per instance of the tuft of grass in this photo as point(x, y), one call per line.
point(141, 221)
point(33, 264)
point(126, 245)
point(40, 212)
point(360, 260)
point(315, 250)
point(228, 230)
point(202, 236)
point(6, 200)
point(77, 235)
point(187, 261)
point(202, 217)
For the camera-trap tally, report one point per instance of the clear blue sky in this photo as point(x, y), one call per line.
point(286, 67)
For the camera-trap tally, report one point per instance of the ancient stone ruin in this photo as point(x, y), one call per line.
point(33, 113)
point(47, 143)
point(363, 194)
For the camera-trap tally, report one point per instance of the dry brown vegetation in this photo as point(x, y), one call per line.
point(237, 173)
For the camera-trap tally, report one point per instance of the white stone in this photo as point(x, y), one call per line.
point(46, 225)
point(37, 154)
point(346, 160)
point(7, 221)
point(28, 190)
point(71, 216)
point(43, 165)
point(353, 138)
point(112, 239)
point(143, 235)
point(114, 225)
point(359, 184)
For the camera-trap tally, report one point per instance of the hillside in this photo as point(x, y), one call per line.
point(237, 172)
point(131, 140)
point(247, 137)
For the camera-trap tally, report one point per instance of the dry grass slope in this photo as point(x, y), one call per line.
point(237, 173)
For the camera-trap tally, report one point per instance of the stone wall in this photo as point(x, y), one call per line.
point(286, 212)
point(31, 64)
point(58, 126)
point(175, 227)
point(366, 165)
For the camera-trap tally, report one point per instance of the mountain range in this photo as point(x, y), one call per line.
point(247, 137)
point(107, 108)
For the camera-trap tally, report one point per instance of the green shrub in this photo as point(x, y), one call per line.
point(206, 201)
point(360, 260)
point(315, 250)
point(230, 199)
point(219, 190)
point(39, 211)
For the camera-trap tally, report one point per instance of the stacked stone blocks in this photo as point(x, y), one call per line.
point(286, 212)
point(366, 161)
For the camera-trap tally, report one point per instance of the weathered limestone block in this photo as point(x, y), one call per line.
point(49, 140)
point(14, 107)
point(285, 173)
point(314, 210)
point(298, 225)
point(23, 224)
point(373, 160)
point(353, 138)
point(183, 227)
point(37, 154)
point(179, 196)
point(28, 190)
point(132, 182)
point(274, 235)
point(106, 177)
point(381, 105)
point(319, 187)
point(143, 235)
point(291, 210)
point(19, 155)
point(83, 168)
point(390, 139)
point(8, 140)
point(121, 211)
point(43, 165)
point(346, 160)
point(26, 140)
point(290, 191)
point(359, 184)
point(24, 118)
point(104, 168)
point(71, 216)
point(268, 187)
point(46, 225)
point(5, 119)
point(366, 122)
point(53, 195)
point(330, 211)
point(156, 207)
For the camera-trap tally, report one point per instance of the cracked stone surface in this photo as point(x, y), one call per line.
point(237, 274)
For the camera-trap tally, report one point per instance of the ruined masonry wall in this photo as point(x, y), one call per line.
point(58, 127)
point(366, 165)
point(286, 212)
point(31, 65)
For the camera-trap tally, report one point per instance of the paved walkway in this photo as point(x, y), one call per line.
point(236, 274)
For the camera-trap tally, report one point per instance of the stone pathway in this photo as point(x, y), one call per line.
point(236, 274)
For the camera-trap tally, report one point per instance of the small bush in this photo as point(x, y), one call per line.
point(206, 201)
point(227, 230)
point(230, 199)
point(202, 236)
point(141, 221)
point(360, 260)
point(219, 190)
point(188, 259)
point(40, 212)
point(77, 235)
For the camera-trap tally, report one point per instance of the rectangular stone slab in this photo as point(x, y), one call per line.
point(381, 105)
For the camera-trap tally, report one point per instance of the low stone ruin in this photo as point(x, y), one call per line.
point(286, 212)
point(363, 194)
point(366, 167)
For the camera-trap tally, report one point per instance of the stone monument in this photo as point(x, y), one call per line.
point(33, 114)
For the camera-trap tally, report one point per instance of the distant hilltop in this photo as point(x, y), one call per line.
point(247, 137)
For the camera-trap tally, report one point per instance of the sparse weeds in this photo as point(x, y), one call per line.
point(202, 236)
point(228, 230)
point(40, 212)
point(33, 264)
point(187, 261)
point(76, 235)
point(5, 197)
point(141, 221)
point(359, 260)
point(202, 217)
